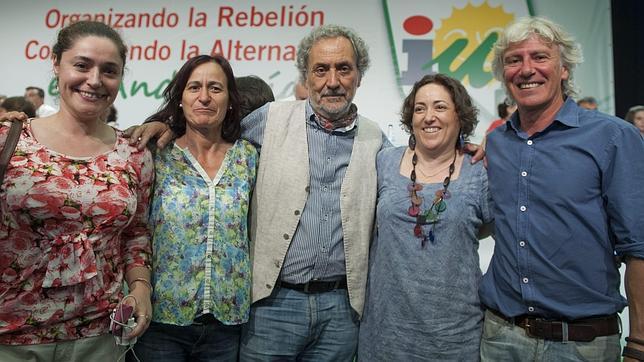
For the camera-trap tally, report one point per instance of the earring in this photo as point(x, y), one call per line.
point(180, 105)
point(461, 140)
point(412, 142)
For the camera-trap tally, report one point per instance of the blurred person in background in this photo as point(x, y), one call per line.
point(505, 110)
point(589, 103)
point(36, 96)
point(254, 92)
point(18, 104)
point(635, 116)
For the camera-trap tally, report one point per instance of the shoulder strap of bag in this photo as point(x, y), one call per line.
point(9, 147)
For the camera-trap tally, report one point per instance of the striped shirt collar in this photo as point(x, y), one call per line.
point(314, 120)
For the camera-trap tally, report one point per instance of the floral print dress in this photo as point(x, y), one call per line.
point(70, 228)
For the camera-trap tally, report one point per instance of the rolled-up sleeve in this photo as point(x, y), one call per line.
point(623, 191)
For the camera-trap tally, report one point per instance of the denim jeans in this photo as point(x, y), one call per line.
point(503, 341)
point(167, 342)
point(295, 326)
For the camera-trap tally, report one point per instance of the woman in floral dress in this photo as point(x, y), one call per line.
point(73, 211)
point(199, 216)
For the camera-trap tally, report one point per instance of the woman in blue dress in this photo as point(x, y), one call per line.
point(433, 206)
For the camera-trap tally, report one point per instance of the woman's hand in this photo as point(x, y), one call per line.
point(138, 282)
point(142, 307)
point(141, 135)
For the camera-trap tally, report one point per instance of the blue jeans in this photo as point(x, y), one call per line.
point(295, 326)
point(504, 341)
point(209, 342)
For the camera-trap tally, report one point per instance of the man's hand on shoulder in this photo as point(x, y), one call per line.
point(477, 152)
point(140, 135)
point(13, 116)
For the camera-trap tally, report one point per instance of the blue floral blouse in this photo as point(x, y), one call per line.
point(201, 260)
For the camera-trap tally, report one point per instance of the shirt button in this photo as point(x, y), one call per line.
point(523, 208)
point(525, 280)
point(530, 309)
point(277, 263)
point(522, 243)
point(307, 189)
point(268, 286)
point(324, 188)
point(529, 142)
point(524, 174)
point(296, 212)
point(285, 236)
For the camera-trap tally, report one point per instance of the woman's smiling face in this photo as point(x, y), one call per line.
point(89, 76)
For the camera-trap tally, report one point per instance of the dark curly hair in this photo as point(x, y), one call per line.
point(466, 111)
point(171, 113)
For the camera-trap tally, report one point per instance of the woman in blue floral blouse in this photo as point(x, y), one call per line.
point(199, 218)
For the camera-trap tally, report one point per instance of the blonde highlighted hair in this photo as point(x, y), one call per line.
point(550, 33)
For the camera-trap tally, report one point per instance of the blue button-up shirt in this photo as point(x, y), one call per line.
point(567, 199)
point(317, 250)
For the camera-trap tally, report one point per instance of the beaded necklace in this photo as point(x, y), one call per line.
point(429, 216)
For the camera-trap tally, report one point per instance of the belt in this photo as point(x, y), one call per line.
point(315, 286)
point(205, 319)
point(580, 330)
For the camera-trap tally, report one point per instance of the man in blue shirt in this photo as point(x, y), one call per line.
point(569, 207)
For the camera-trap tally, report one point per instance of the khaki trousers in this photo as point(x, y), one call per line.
point(91, 349)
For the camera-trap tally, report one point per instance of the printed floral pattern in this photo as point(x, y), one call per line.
point(69, 230)
point(200, 236)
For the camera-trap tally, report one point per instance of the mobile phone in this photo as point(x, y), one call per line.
point(120, 317)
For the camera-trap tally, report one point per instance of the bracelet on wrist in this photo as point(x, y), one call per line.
point(635, 340)
point(144, 281)
point(633, 353)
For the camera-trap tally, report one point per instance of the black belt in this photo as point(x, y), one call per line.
point(579, 330)
point(315, 286)
point(205, 319)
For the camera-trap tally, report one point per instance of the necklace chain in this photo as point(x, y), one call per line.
point(429, 216)
point(420, 169)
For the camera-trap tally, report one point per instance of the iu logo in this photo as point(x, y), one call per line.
point(453, 41)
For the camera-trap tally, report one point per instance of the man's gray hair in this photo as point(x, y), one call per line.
point(360, 48)
point(548, 31)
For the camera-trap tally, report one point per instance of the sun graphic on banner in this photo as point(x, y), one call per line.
point(473, 23)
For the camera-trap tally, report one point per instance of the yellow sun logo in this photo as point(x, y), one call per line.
point(470, 27)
